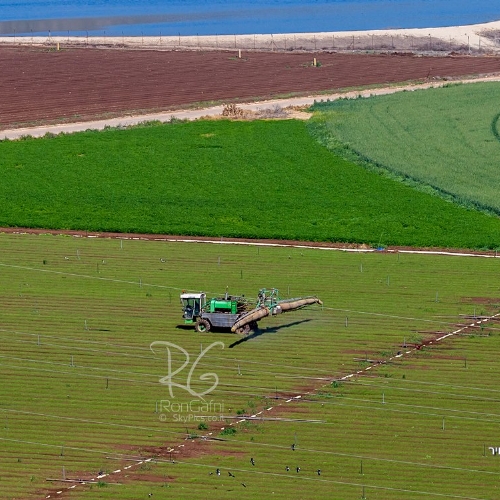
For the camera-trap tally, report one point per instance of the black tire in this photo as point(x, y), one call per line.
point(243, 330)
point(202, 326)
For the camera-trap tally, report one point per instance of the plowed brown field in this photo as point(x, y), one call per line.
point(40, 85)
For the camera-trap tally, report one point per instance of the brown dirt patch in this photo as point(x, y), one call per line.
point(192, 448)
point(79, 84)
point(487, 301)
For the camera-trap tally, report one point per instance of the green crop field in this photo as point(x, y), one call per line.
point(447, 138)
point(81, 391)
point(261, 179)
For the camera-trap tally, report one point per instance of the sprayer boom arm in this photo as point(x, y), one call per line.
point(277, 308)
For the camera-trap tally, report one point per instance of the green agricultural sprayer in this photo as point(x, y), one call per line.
point(236, 313)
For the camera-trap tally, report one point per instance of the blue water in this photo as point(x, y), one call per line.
point(210, 17)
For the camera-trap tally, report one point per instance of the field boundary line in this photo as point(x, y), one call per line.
point(330, 246)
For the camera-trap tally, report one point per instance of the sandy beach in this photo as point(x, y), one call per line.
point(482, 38)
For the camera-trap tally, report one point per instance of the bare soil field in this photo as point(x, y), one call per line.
point(43, 85)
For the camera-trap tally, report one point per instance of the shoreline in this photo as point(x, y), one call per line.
point(484, 37)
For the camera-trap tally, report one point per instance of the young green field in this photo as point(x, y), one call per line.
point(261, 179)
point(446, 138)
point(80, 389)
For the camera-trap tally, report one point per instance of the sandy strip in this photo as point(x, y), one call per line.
point(485, 36)
point(466, 35)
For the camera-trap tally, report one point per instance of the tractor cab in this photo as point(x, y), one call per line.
point(192, 305)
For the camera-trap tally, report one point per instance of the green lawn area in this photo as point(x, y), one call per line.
point(261, 179)
point(81, 385)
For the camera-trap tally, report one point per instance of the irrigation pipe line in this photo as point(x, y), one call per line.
point(119, 456)
point(225, 366)
point(122, 456)
point(393, 316)
point(79, 375)
point(439, 384)
point(156, 376)
point(86, 340)
point(235, 360)
point(439, 393)
point(86, 276)
point(338, 249)
point(256, 417)
point(478, 323)
point(80, 349)
point(176, 288)
point(90, 421)
point(384, 407)
point(107, 344)
point(142, 382)
point(313, 247)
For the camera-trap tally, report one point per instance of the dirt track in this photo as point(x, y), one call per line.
point(41, 85)
point(348, 247)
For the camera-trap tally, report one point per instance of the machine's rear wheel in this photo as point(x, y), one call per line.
point(202, 326)
point(243, 330)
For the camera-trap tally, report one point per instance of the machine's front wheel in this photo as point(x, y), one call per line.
point(202, 326)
